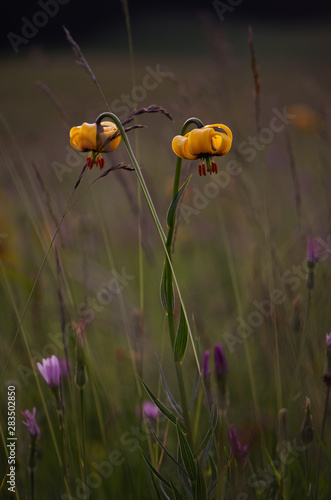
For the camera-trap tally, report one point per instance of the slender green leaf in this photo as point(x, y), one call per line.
point(165, 495)
point(169, 395)
point(171, 217)
point(213, 478)
point(158, 403)
point(210, 431)
point(155, 471)
point(181, 339)
point(201, 488)
point(195, 389)
point(163, 447)
point(187, 454)
point(177, 494)
point(164, 288)
point(273, 467)
point(206, 451)
point(155, 486)
point(183, 475)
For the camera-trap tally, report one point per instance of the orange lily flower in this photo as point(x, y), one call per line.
point(89, 137)
point(205, 142)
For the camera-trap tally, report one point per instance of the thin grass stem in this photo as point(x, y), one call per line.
point(319, 460)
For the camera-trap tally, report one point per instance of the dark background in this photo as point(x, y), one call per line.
point(90, 21)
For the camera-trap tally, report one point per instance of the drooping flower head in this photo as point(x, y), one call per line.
point(51, 371)
point(204, 143)
point(97, 139)
point(239, 450)
point(31, 423)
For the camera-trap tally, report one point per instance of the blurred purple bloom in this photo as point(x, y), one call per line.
point(50, 370)
point(205, 364)
point(150, 410)
point(328, 340)
point(31, 423)
point(312, 251)
point(239, 450)
point(220, 364)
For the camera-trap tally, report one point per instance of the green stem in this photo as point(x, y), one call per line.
point(220, 489)
point(321, 440)
point(301, 351)
point(307, 472)
point(32, 484)
point(170, 297)
point(59, 406)
point(82, 416)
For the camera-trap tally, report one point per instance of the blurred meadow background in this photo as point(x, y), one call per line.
point(240, 242)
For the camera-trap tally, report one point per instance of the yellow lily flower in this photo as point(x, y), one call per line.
point(86, 137)
point(205, 143)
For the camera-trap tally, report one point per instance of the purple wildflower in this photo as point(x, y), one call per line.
point(150, 410)
point(50, 370)
point(312, 252)
point(31, 423)
point(205, 365)
point(328, 340)
point(220, 364)
point(239, 450)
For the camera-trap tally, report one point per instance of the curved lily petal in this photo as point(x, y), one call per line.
point(201, 141)
point(180, 147)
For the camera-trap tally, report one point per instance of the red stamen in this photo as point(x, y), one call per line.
point(204, 169)
point(101, 163)
point(214, 167)
point(200, 170)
